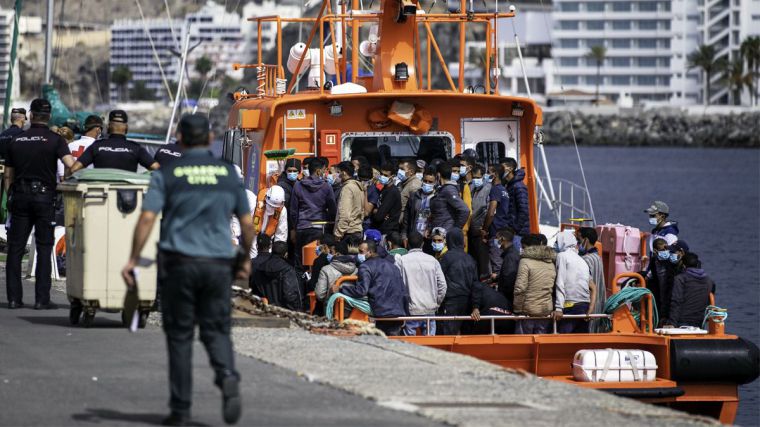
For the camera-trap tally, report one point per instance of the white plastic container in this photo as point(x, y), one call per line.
point(613, 365)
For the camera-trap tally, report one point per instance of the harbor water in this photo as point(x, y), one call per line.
point(713, 194)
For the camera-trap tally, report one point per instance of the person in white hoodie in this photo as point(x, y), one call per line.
point(574, 289)
point(425, 282)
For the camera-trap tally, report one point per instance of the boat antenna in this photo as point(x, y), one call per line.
point(49, 43)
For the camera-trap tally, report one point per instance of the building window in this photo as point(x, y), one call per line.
point(665, 43)
point(594, 25)
point(569, 80)
point(647, 43)
point(569, 7)
point(621, 25)
point(568, 25)
point(621, 80)
point(594, 42)
point(568, 62)
point(595, 7)
point(648, 25)
point(664, 62)
point(621, 62)
point(664, 25)
point(621, 6)
point(568, 43)
point(647, 80)
point(647, 62)
point(592, 80)
point(648, 6)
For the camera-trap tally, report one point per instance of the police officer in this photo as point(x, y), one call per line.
point(116, 151)
point(30, 174)
point(18, 118)
point(167, 153)
point(197, 195)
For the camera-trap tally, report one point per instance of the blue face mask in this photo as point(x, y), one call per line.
point(361, 258)
point(455, 176)
point(329, 257)
point(674, 258)
point(306, 172)
point(292, 176)
point(319, 250)
point(496, 243)
point(382, 179)
point(477, 182)
point(663, 255)
point(427, 188)
point(401, 175)
point(488, 178)
point(331, 179)
point(653, 221)
point(418, 175)
point(438, 246)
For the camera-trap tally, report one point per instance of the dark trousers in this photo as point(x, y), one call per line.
point(195, 293)
point(574, 326)
point(479, 251)
point(459, 306)
point(30, 210)
point(305, 236)
point(390, 328)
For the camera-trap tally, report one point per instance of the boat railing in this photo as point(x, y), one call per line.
point(351, 21)
point(570, 201)
point(491, 318)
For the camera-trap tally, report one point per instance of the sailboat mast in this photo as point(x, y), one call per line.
point(11, 67)
point(49, 43)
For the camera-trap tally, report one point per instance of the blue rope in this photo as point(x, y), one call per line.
point(628, 295)
point(361, 304)
point(714, 313)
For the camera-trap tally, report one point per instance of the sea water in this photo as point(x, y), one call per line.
point(713, 194)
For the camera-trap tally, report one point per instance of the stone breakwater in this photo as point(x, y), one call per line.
point(655, 129)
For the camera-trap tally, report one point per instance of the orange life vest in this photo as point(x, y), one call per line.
point(260, 211)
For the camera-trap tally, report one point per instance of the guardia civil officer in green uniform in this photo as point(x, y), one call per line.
point(197, 195)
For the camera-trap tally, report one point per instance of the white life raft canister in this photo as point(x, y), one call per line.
point(613, 365)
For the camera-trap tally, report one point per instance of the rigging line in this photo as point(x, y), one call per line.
point(155, 53)
point(171, 26)
point(572, 129)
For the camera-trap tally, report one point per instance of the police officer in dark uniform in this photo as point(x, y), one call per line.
point(167, 153)
point(18, 118)
point(116, 151)
point(30, 175)
point(197, 261)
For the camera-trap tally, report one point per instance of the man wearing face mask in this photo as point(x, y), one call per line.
point(417, 212)
point(519, 206)
point(461, 280)
point(497, 217)
point(477, 248)
point(385, 217)
point(289, 178)
point(447, 209)
point(660, 275)
point(677, 251)
point(587, 238)
point(312, 206)
point(351, 203)
point(407, 181)
point(663, 228)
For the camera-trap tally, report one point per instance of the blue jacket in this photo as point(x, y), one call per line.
point(381, 282)
point(312, 200)
point(519, 206)
point(669, 228)
point(447, 209)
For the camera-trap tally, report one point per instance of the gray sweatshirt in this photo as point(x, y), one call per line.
point(573, 274)
point(424, 280)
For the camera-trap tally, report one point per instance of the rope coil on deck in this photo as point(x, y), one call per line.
point(715, 314)
point(629, 296)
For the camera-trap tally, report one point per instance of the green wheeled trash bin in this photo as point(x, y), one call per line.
point(101, 208)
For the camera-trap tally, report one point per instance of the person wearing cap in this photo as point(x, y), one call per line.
point(30, 175)
point(663, 228)
point(677, 251)
point(116, 151)
point(196, 195)
point(18, 119)
point(167, 153)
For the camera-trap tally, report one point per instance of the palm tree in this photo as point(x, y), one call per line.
point(736, 79)
point(203, 65)
point(750, 50)
point(704, 58)
point(121, 76)
point(597, 53)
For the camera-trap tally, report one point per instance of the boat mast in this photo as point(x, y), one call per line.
point(11, 67)
point(49, 43)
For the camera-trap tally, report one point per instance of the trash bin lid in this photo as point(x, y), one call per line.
point(109, 175)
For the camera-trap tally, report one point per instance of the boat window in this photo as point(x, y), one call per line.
point(489, 152)
point(232, 150)
point(252, 180)
point(382, 148)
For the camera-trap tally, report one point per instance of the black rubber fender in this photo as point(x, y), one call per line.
point(714, 360)
point(646, 393)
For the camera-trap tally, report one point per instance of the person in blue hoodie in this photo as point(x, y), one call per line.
point(519, 205)
point(691, 294)
point(447, 209)
point(381, 283)
point(312, 206)
point(663, 227)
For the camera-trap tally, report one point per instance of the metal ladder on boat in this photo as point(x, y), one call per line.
point(312, 129)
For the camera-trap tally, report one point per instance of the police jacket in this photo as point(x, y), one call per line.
point(6, 137)
point(34, 155)
point(116, 152)
point(381, 282)
point(447, 209)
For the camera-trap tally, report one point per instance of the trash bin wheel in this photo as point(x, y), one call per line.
point(87, 318)
point(75, 312)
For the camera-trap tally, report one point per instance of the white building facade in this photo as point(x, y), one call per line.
point(646, 41)
point(6, 38)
